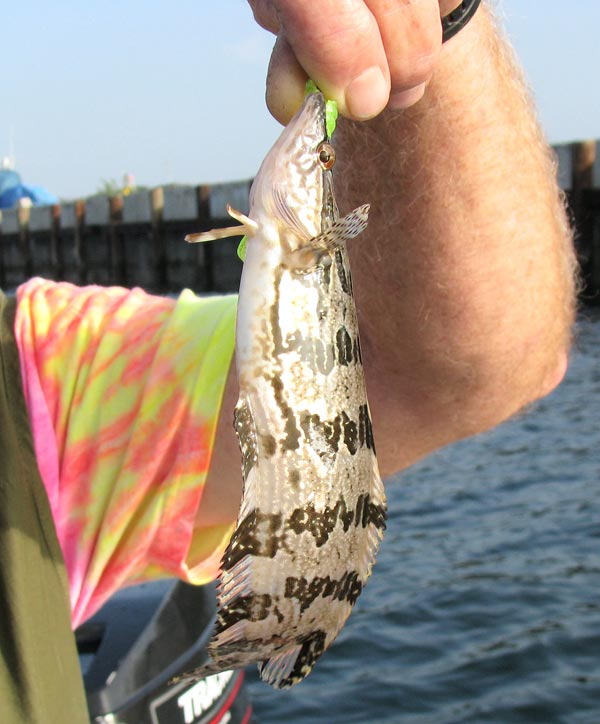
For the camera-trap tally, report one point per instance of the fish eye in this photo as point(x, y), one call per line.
point(326, 155)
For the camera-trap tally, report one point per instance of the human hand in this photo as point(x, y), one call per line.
point(364, 54)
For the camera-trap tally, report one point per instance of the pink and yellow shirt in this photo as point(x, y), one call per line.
point(123, 391)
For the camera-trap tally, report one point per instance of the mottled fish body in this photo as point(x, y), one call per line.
point(313, 507)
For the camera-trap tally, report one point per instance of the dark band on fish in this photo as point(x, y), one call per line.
point(257, 534)
point(268, 445)
point(255, 607)
point(343, 272)
point(292, 434)
point(245, 429)
point(343, 343)
point(347, 588)
point(263, 534)
point(326, 435)
point(314, 353)
point(365, 428)
point(291, 441)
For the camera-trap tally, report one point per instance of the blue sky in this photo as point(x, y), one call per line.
point(174, 92)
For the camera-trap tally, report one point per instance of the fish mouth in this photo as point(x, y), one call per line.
point(312, 116)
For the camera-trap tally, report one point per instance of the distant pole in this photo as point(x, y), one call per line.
point(11, 146)
point(584, 155)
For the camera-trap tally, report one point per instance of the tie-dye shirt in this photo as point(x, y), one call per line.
point(123, 391)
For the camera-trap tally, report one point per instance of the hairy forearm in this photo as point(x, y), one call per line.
point(464, 277)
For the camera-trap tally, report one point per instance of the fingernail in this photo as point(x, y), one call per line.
point(407, 98)
point(367, 94)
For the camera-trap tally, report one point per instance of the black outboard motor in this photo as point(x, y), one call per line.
point(138, 641)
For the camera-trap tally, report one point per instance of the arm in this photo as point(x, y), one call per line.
point(464, 283)
point(123, 390)
point(464, 278)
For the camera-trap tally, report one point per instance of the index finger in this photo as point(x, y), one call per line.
point(340, 48)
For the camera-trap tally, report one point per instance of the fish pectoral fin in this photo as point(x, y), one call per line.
point(307, 257)
point(342, 230)
point(247, 227)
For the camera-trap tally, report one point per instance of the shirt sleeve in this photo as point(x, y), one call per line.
point(123, 391)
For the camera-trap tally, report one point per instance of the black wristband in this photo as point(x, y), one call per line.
point(457, 19)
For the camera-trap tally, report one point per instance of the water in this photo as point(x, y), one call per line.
point(484, 605)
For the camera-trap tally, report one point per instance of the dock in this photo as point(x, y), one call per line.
point(129, 240)
point(138, 239)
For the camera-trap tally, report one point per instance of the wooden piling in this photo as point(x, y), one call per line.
point(138, 239)
point(186, 265)
point(68, 244)
point(132, 240)
point(41, 237)
point(101, 255)
point(14, 249)
point(141, 241)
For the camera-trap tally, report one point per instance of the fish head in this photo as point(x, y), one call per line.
point(293, 189)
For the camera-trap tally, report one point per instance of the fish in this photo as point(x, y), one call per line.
point(313, 509)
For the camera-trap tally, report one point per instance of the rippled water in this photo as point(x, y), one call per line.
point(484, 605)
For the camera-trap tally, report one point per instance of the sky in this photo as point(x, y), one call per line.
point(173, 92)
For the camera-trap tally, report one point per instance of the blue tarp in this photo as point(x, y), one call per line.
point(12, 189)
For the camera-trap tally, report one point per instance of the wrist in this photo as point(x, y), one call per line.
point(469, 47)
point(456, 16)
point(448, 6)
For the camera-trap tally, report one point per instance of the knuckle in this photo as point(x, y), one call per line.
point(346, 37)
point(265, 15)
point(415, 62)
